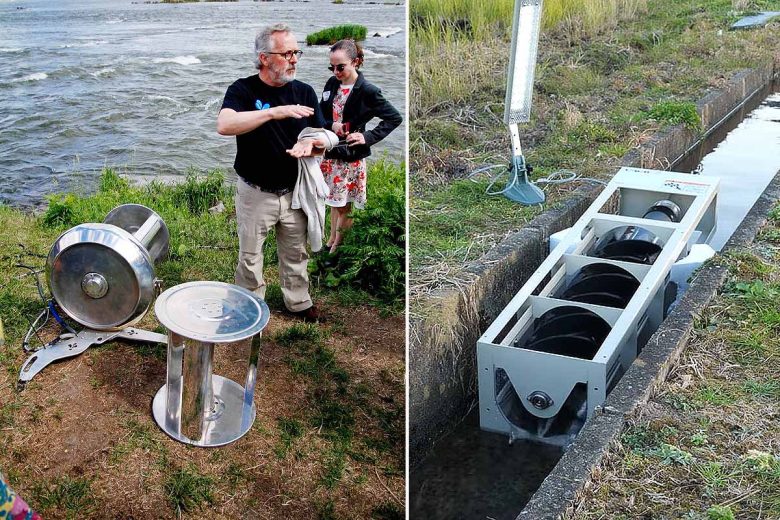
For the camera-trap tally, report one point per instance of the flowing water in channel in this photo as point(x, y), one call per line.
point(472, 474)
point(91, 83)
point(746, 161)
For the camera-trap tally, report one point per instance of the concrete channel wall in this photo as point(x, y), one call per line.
point(445, 327)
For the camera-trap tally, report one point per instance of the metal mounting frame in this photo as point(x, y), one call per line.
point(557, 376)
point(519, 188)
point(62, 348)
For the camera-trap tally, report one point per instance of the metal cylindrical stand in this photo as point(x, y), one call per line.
point(196, 406)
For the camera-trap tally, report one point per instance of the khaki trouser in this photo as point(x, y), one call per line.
point(257, 212)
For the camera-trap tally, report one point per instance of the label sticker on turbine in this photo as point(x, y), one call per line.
point(686, 186)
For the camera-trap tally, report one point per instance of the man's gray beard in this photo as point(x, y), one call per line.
point(283, 76)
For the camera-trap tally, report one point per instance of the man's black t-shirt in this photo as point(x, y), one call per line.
point(261, 156)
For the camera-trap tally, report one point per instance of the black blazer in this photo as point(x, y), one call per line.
point(364, 103)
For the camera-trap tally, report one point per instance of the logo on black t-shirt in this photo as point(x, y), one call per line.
point(260, 106)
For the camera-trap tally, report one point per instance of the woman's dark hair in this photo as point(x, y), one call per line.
point(351, 48)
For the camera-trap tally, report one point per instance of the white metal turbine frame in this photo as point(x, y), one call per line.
point(531, 373)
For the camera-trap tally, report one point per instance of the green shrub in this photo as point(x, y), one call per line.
point(199, 193)
point(675, 113)
point(60, 211)
point(331, 35)
point(720, 513)
point(373, 254)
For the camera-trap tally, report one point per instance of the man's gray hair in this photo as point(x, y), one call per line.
point(263, 40)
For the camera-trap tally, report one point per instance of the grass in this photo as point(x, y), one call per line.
point(335, 404)
point(608, 76)
point(331, 35)
point(333, 411)
point(71, 496)
point(331, 418)
point(722, 443)
point(445, 20)
point(677, 112)
point(442, 231)
point(187, 490)
point(289, 430)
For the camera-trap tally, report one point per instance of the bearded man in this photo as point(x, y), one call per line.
point(266, 112)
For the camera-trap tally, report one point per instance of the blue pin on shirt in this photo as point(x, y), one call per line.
point(260, 106)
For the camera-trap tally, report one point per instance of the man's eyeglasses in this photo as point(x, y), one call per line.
point(340, 67)
point(289, 54)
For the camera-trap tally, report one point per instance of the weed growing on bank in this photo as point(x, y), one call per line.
point(372, 256)
point(331, 35)
point(204, 246)
point(677, 112)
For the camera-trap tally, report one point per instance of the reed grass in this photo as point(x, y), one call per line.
point(477, 20)
point(458, 47)
point(331, 35)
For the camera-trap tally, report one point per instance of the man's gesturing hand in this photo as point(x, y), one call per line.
point(307, 148)
point(295, 111)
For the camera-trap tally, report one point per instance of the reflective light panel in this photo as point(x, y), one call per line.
point(522, 64)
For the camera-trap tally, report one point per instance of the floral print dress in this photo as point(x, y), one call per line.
point(11, 506)
point(346, 180)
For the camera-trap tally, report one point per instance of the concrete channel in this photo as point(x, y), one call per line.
point(444, 329)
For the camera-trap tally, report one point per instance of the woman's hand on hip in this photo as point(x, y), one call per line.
point(356, 138)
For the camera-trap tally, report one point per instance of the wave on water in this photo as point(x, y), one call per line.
point(155, 97)
point(115, 20)
point(369, 52)
point(103, 72)
point(90, 43)
point(181, 60)
point(385, 33)
point(31, 77)
point(11, 49)
point(211, 102)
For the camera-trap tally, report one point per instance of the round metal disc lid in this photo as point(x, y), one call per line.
point(212, 312)
point(101, 276)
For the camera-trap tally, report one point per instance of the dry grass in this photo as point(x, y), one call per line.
point(707, 445)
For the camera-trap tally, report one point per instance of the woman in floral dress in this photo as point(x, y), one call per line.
point(12, 507)
point(348, 103)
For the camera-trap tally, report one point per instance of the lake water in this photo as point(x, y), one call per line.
point(91, 83)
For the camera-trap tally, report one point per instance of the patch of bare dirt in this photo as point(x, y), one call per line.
point(90, 418)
